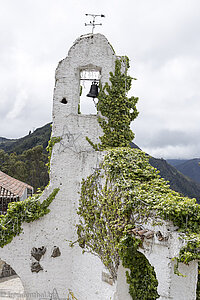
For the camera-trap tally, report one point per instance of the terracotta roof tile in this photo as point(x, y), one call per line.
point(11, 186)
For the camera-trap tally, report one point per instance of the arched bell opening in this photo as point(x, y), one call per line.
point(89, 88)
point(11, 286)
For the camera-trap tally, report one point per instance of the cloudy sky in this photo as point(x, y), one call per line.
point(161, 38)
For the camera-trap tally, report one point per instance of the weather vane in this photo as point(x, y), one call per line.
point(92, 23)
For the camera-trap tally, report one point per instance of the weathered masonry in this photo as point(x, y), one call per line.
point(42, 255)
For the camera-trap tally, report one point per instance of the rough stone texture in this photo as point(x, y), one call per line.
point(159, 253)
point(73, 159)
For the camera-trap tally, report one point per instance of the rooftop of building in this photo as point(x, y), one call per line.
point(11, 187)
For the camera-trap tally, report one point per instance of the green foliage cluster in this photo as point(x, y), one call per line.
point(139, 268)
point(125, 191)
point(28, 211)
point(51, 143)
point(29, 166)
point(117, 110)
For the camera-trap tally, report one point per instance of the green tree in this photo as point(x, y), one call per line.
point(29, 167)
point(35, 161)
point(4, 158)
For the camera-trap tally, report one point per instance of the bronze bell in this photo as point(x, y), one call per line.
point(93, 93)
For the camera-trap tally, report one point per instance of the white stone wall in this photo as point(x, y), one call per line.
point(160, 254)
point(24, 196)
point(73, 159)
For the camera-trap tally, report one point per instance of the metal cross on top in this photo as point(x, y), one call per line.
point(92, 23)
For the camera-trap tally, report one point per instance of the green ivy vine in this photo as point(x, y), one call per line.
point(51, 143)
point(117, 110)
point(114, 199)
point(141, 278)
point(127, 189)
point(27, 211)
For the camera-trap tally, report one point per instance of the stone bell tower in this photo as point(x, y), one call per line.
point(61, 268)
point(74, 159)
point(58, 267)
point(88, 53)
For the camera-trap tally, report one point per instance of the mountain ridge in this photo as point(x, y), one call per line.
point(40, 136)
point(189, 168)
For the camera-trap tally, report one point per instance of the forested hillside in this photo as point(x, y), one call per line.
point(190, 168)
point(40, 136)
point(29, 166)
point(178, 182)
point(26, 158)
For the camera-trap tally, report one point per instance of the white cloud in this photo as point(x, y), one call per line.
point(18, 106)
